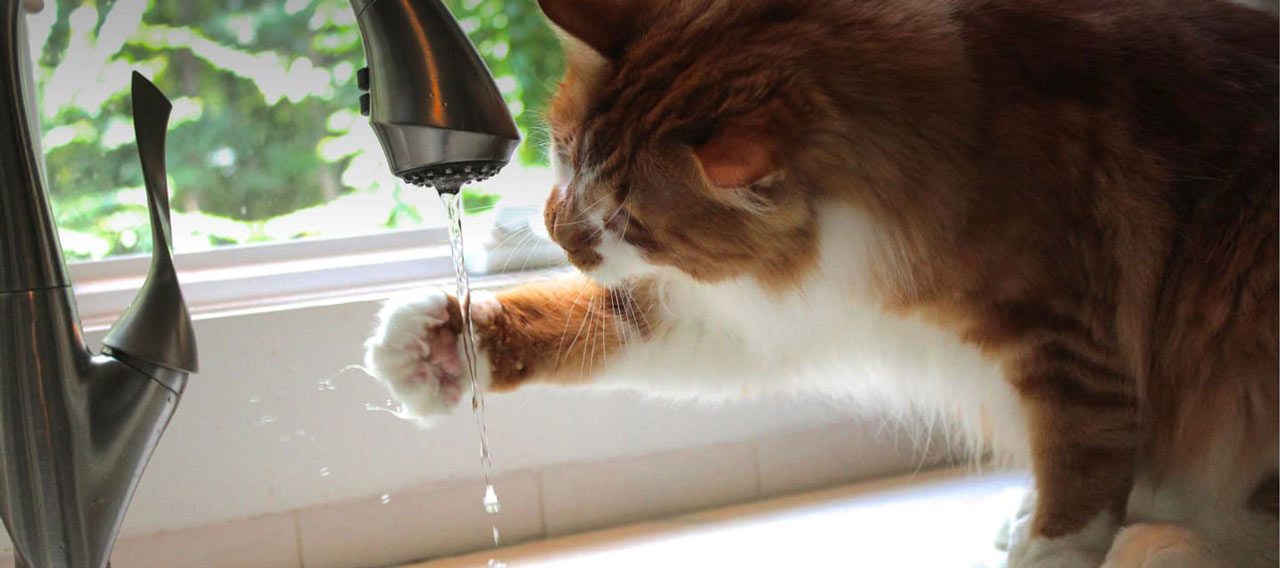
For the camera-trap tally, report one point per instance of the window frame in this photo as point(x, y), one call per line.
point(273, 276)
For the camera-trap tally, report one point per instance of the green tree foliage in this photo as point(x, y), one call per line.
point(265, 120)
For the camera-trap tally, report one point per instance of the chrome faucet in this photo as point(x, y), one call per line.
point(76, 429)
point(430, 99)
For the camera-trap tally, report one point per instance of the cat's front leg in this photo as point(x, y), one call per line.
point(559, 331)
point(563, 331)
point(1084, 436)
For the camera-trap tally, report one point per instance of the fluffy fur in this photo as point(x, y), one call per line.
point(1051, 224)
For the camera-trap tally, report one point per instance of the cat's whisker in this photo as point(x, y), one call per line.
point(604, 338)
point(507, 239)
point(583, 212)
point(624, 323)
point(582, 369)
point(625, 319)
point(572, 308)
point(595, 339)
point(601, 338)
point(617, 211)
point(619, 321)
point(525, 239)
point(560, 347)
point(641, 311)
point(580, 220)
point(582, 326)
point(527, 244)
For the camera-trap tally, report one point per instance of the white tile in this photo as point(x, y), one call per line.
point(415, 525)
point(840, 453)
point(588, 496)
point(258, 436)
point(266, 542)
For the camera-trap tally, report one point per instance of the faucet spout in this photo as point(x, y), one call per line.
point(76, 429)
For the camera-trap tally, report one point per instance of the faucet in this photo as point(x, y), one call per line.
point(429, 97)
point(76, 428)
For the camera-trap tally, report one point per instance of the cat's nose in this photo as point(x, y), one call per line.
point(570, 228)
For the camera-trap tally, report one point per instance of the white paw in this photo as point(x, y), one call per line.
point(1017, 530)
point(1159, 546)
point(416, 351)
point(1083, 549)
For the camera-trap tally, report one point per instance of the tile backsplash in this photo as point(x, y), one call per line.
point(445, 519)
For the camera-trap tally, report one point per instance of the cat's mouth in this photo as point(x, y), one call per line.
point(619, 261)
point(608, 259)
point(592, 245)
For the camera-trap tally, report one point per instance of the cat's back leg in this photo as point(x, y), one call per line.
point(1192, 521)
point(1160, 545)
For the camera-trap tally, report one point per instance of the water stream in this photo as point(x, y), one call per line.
point(452, 199)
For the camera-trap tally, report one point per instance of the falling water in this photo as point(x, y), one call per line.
point(452, 199)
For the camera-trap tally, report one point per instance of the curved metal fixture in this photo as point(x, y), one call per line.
point(76, 429)
point(431, 101)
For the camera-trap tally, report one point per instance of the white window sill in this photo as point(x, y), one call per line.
point(503, 247)
point(941, 518)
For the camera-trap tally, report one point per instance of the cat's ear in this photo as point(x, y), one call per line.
point(606, 26)
point(740, 151)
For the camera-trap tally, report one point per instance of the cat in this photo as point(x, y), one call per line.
point(1051, 223)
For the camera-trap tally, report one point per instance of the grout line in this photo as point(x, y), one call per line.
point(539, 491)
point(756, 469)
point(297, 538)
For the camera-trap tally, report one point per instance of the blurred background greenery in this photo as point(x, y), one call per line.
point(265, 141)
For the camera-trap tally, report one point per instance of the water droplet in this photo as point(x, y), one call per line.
point(493, 563)
point(300, 432)
point(285, 438)
point(386, 498)
point(326, 385)
point(324, 472)
point(263, 421)
point(255, 399)
point(390, 408)
point(491, 504)
point(495, 535)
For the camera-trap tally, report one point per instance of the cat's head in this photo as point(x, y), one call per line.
point(672, 136)
point(708, 137)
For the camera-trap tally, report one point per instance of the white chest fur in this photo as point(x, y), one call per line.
point(732, 338)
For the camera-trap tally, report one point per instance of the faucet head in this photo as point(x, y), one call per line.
point(431, 101)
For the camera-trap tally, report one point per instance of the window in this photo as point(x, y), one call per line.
point(265, 141)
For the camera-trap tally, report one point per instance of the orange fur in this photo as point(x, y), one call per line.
point(1085, 190)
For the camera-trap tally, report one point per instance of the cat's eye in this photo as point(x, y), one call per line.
point(699, 135)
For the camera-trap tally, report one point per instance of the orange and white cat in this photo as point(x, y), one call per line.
point(1052, 223)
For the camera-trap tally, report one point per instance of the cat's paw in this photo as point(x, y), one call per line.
point(1083, 549)
point(1016, 531)
point(417, 351)
point(1159, 546)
